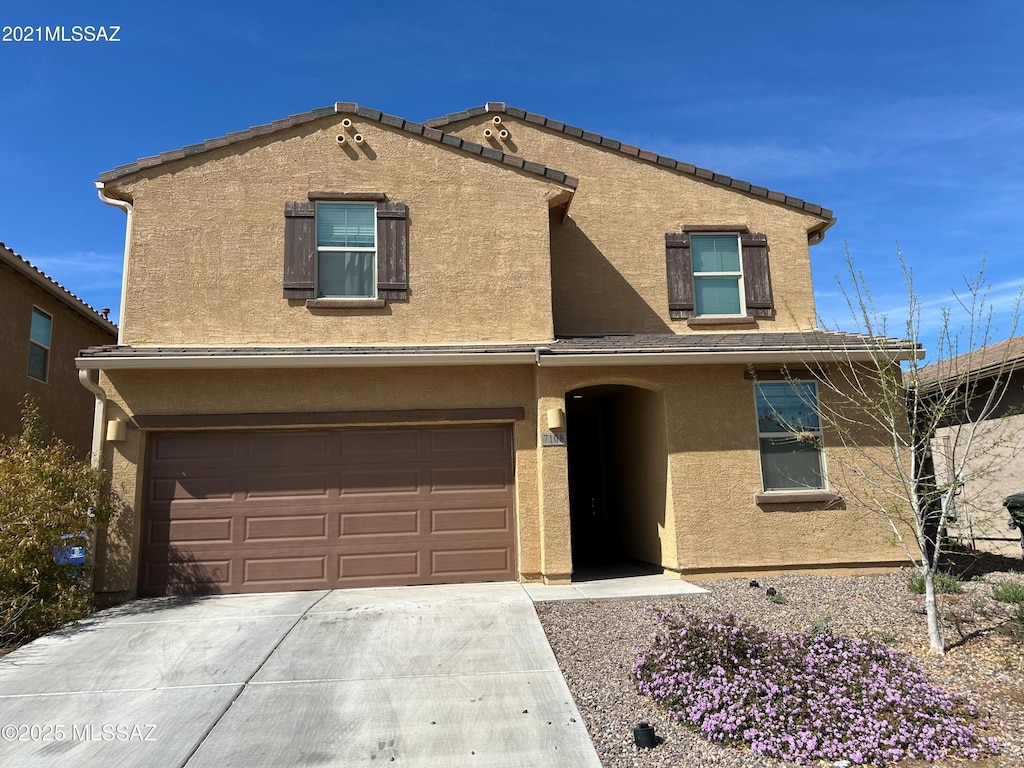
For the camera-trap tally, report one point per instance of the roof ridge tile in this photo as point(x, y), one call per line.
point(426, 130)
point(630, 150)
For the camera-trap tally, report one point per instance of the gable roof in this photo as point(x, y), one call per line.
point(636, 152)
point(991, 360)
point(22, 266)
point(343, 108)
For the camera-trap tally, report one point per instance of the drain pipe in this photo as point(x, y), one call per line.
point(125, 206)
point(99, 415)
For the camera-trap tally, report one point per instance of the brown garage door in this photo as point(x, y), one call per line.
point(314, 509)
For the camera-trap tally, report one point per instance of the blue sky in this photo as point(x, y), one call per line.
point(905, 118)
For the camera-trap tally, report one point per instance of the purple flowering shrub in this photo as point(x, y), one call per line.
point(802, 697)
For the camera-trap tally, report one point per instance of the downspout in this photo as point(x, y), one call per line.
point(125, 206)
point(99, 415)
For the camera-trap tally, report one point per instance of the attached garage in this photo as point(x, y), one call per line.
point(261, 511)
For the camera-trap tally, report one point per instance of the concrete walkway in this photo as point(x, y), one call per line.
point(450, 676)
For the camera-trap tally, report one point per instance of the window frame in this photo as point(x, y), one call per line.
point(318, 294)
point(45, 347)
point(818, 434)
point(695, 275)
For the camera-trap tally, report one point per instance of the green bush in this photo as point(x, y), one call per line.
point(1008, 592)
point(44, 492)
point(945, 583)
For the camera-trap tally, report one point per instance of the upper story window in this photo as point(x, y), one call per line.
point(717, 275)
point(39, 345)
point(789, 435)
point(346, 250)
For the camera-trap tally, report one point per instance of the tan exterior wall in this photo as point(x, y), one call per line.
point(608, 258)
point(207, 244)
point(686, 461)
point(711, 521)
point(65, 405)
point(994, 471)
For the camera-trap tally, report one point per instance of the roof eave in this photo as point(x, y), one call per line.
point(67, 298)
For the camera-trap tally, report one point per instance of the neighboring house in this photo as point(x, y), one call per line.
point(995, 464)
point(358, 350)
point(42, 328)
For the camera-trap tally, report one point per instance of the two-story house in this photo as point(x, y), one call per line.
point(358, 350)
point(42, 328)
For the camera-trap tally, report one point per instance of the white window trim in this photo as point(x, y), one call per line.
point(695, 275)
point(336, 249)
point(31, 342)
point(821, 442)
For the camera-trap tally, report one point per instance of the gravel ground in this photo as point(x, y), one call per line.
point(595, 641)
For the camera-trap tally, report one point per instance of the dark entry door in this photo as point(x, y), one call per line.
point(589, 497)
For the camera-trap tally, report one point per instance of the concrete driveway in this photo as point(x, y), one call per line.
point(457, 675)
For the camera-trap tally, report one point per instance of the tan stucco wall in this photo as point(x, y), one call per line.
point(183, 392)
point(608, 258)
point(712, 521)
point(688, 463)
point(65, 405)
point(207, 243)
point(993, 470)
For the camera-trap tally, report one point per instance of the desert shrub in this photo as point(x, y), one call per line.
point(1008, 592)
point(44, 492)
point(802, 697)
point(945, 583)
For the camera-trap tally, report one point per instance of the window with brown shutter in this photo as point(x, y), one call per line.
point(302, 248)
point(730, 287)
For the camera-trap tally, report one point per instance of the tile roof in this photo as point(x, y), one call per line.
point(628, 149)
point(818, 340)
point(343, 108)
point(988, 360)
point(812, 341)
point(24, 267)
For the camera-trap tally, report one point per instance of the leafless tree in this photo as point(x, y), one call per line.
point(882, 405)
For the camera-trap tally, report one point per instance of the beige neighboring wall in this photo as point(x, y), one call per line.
point(301, 390)
point(207, 243)
point(608, 258)
point(994, 471)
point(65, 405)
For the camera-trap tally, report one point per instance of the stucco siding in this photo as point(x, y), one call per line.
point(993, 471)
point(208, 240)
point(65, 405)
point(608, 258)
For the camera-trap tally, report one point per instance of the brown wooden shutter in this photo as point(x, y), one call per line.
point(679, 268)
point(299, 249)
point(757, 285)
point(392, 251)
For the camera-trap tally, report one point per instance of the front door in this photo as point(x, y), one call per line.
point(589, 503)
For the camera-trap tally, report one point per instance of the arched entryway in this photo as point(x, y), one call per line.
point(617, 470)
